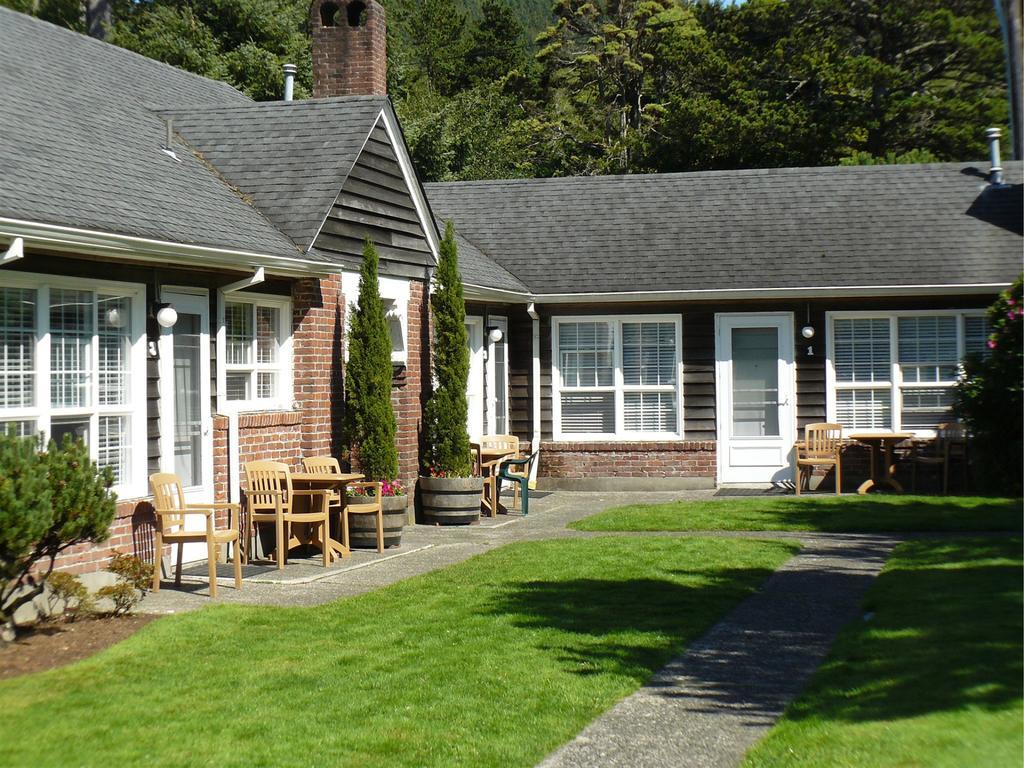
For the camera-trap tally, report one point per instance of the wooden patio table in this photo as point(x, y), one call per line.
point(316, 481)
point(489, 460)
point(881, 442)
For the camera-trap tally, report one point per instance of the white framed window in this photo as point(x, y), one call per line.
point(897, 370)
point(73, 362)
point(254, 352)
point(617, 378)
point(394, 293)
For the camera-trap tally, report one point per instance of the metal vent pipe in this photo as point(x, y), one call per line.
point(995, 173)
point(289, 81)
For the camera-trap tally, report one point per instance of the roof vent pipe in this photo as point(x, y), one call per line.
point(995, 173)
point(289, 81)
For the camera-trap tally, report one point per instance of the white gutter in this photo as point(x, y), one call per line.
point(770, 293)
point(483, 293)
point(15, 252)
point(531, 310)
point(94, 242)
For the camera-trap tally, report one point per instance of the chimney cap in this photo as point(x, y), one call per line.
point(290, 69)
point(993, 133)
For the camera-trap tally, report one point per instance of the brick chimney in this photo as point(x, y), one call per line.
point(349, 48)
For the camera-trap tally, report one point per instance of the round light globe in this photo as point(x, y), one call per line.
point(495, 335)
point(807, 332)
point(167, 317)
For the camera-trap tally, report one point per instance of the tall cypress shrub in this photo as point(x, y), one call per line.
point(446, 450)
point(370, 417)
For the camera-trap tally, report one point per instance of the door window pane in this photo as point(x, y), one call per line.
point(188, 425)
point(755, 382)
point(17, 347)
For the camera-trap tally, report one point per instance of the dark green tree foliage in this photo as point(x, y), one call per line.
point(25, 511)
point(53, 502)
point(990, 400)
point(446, 450)
point(497, 44)
point(436, 31)
point(371, 418)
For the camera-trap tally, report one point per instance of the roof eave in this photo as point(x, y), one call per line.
point(853, 291)
point(118, 246)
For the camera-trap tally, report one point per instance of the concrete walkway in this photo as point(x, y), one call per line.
point(709, 706)
point(705, 708)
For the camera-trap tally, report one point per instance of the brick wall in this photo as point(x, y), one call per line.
point(687, 458)
point(348, 60)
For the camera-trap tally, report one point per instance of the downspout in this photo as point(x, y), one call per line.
point(531, 310)
point(234, 470)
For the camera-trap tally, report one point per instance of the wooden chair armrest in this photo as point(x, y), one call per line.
point(207, 512)
point(231, 507)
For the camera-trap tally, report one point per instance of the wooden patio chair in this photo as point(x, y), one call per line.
point(822, 447)
point(490, 468)
point(330, 465)
point(950, 443)
point(171, 513)
point(270, 497)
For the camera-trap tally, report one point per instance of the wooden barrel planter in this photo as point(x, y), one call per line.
point(362, 529)
point(451, 500)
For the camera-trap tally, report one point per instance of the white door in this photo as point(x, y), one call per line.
point(756, 386)
point(186, 425)
point(475, 385)
point(497, 377)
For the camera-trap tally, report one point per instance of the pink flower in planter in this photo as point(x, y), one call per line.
point(991, 344)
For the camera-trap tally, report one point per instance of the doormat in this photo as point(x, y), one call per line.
point(774, 490)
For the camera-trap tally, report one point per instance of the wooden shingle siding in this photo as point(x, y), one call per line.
point(699, 395)
point(520, 368)
point(375, 202)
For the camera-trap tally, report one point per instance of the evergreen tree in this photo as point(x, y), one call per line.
point(370, 416)
point(446, 450)
point(496, 43)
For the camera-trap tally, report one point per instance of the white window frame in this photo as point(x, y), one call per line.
point(394, 293)
point(136, 409)
point(283, 368)
point(896, 384)
point(619, 387)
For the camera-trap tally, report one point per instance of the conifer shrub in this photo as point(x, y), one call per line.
point(446, 448)
point(68, 597)
point(134, 578)
point(990, 397)
point(48, 502)
point(369, 413)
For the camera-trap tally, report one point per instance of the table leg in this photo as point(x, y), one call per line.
point(868, 484)
point(890, 469)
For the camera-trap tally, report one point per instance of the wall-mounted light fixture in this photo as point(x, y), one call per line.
point(494, 335)
point(166, 315)
point(808, 331)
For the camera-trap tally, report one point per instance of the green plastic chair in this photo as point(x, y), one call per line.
point(522, 477)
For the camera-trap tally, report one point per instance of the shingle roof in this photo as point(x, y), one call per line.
point(938, 224)
point(290, 158)
point(478, 269)
point(79, 146)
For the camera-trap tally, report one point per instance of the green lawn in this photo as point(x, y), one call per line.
point(493, 662)
point(818, 513)
point(933, 678)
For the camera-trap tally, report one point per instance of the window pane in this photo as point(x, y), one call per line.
point(19, 428)
point(267, 325)
point(862, 350)
point(188, 421)
point(239, 332)
point(113, 446)
point(17, 347)
point(586, 354)
point(71, 329)
point(590, 413)
point(650, 412)
point(927, 348)
point(649, 353)
point(113, 319)
point(864, 408)
point(755, 382)
point(927, 408)
point(976, 332)
point(238, 386)
point(78, 429)
point(265, 384)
